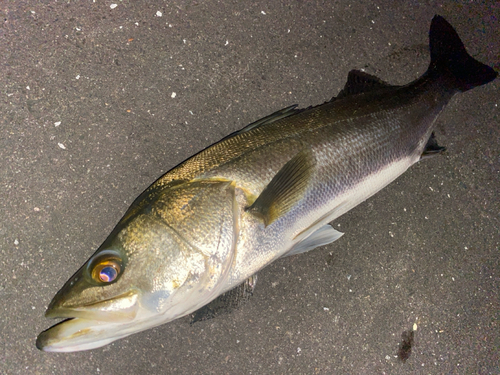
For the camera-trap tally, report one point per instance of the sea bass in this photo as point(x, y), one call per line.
point(267, 191)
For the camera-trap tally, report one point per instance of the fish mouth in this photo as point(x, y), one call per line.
point(89, 326)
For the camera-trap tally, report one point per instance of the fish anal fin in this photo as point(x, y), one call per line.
point(359, 82)
point(285, 189)
point(432, 148)
point(323, 236)
point(226, 302)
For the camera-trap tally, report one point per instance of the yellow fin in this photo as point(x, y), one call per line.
point(285, 189)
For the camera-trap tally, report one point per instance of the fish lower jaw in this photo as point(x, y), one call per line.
point(78, 334)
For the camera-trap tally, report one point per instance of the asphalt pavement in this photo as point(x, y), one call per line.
point(100, 98)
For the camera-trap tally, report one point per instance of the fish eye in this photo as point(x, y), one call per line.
point(106, 267)
point(106, 272)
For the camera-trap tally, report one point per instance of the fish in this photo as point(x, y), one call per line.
point(267, 191)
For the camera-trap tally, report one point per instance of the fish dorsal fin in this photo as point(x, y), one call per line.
point(323, 236)
point(285, 189)
point(278, 115)
point(359, 82)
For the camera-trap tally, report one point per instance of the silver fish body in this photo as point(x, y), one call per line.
point(262, 193)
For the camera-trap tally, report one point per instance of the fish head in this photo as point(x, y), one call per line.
point(144, 277)
point(97, 290)
point(152, 269)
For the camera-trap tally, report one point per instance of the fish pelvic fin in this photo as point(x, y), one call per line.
point(449, 58)
point(323, 236)
point(285, 189)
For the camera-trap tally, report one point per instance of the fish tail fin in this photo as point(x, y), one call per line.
point(449, 58)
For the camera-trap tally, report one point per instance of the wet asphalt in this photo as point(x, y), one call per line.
point(97, 101)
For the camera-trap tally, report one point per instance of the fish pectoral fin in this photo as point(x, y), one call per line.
point(226, 302)
point(285, 189)
point(432, 148)
point(323, 236)
point(359, 82)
